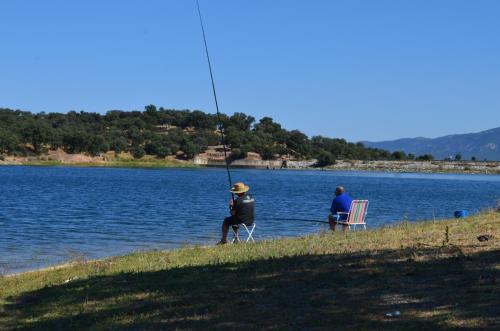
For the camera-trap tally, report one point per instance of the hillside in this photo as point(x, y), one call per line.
point(481, 145)
point(164, 133)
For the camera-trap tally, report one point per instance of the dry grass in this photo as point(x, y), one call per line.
point(438, 278)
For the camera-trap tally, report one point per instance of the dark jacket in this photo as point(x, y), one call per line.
point(244, 207)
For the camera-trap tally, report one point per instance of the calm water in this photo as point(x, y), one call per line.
point(49, 215)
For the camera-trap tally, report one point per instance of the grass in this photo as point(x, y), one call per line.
point(436, 273)
point(146, 163)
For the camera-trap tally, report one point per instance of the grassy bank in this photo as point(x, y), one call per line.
point(492, 168)
point(146, 163)
point(119, 164)
point(437, 274)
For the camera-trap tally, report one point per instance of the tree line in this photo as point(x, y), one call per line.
point(163, 132)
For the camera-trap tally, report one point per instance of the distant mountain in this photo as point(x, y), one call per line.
point(482, 145)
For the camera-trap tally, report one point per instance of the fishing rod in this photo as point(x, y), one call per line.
point(221, 129)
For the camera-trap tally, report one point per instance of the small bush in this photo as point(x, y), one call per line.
point(138, 152)
point(325, 159)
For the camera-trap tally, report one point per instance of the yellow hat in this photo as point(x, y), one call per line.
point(239, 188)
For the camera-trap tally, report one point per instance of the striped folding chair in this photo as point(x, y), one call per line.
point(248, 228)
point(356, 214)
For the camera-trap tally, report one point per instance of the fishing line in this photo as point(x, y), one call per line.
point(296, 219)
point(308, 220)
point(221, 129)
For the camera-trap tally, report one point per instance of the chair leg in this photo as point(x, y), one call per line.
point(250, 237)
point(250, 232)
point(236, 236)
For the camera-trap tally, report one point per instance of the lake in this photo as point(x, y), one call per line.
point(50, 215)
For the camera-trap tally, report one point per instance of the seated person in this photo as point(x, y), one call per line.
point(340, 204)
point(242, 210)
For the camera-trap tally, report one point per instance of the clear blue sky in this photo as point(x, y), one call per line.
point(362, 70)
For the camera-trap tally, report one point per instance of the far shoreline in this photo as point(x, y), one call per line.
point(429, 167)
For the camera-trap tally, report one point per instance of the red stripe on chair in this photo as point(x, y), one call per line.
point(353, 211)
point(357, 212)
point(360, 216)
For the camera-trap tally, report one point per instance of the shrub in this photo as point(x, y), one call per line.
point(325, 159)
point(138, 152)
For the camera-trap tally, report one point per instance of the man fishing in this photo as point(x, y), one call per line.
point(340, 205)
point(242, 210)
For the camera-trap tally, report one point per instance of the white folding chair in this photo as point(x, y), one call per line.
point(248, 228)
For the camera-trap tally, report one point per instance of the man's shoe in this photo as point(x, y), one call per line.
point(222, 242)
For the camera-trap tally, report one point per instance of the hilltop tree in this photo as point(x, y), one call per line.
point(200, 120)
point(241, 121)
point(151, 115)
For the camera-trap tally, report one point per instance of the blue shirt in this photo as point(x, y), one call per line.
point(341, 203)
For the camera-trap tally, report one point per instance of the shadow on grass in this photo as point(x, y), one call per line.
point(433, 288)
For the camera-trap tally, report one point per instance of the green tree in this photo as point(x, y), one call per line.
point(425, 157)
point(267, 125)
point(208, 136)
point(458, 157)
point(325, 158)
point(200, 120)
point(118, 144)
point(38, 133)
point(190, 149)
point(233, 137)
point(237, 154)
point(241, 121)
point(138, 152)
point(268, 152)
point(299, 144)
point(97, 144)
point(75, 140)
point(399, 155)
point(8, 142)
point(135, 136)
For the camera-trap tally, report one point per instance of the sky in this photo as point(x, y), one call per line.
point(359, 70)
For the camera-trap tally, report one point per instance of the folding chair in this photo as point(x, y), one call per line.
point(248, 228)
point(356, 215)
